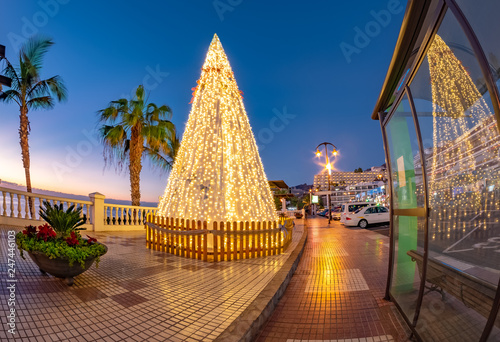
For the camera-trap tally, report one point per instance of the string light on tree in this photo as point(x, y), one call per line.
point(218, 174)
point(463, 130)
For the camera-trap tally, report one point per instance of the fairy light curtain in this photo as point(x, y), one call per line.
point(462, 125)
point(218, 174)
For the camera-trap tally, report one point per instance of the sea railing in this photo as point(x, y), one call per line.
point(16, 204)
point(218, 241)
point(16, 210)
point(126, 215)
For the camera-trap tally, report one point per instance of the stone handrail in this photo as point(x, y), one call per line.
point(15, 204)
point(126, 215)
point(99, 216)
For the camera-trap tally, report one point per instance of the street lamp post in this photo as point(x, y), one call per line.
point(329, 168)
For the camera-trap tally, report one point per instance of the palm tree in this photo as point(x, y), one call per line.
point(133, 130)
point(29, 91)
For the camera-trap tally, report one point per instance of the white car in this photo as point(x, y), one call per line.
point(336, 214)
point(351, 207)
point(367, 215)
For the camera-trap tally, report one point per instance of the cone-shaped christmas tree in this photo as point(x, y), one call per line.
point(218, 174)
point(463, 124)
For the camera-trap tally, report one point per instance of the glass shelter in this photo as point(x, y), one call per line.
point(439, 111)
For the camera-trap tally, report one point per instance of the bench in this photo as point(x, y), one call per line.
point(474, 293)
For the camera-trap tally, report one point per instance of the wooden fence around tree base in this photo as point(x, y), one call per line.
point(218, 241)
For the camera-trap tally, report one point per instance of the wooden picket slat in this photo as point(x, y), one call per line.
point(172, 236)
point(205, 241)
point(235, 241)
point(193, 240)
point(241, 240)
point(247, 241)
point(276, 241)
point(182, 242)
point(269, 239)
point(222, 242)
point(177, 242)
point(216, 252)
point(199, 255)
point(254, 241)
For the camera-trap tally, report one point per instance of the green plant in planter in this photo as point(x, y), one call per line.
point(63, 222)
point(60, 236)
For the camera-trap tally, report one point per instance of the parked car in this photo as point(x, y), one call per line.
point(322, 212)
point(351, 207)
point(367, 215)
point(336, 213)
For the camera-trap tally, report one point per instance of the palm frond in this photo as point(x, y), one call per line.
point(33, 52)
point(63, 221)
point(45, 102)
point(11, 95)
point(157, 160)
point(113, 136)
point(114, 139)
point(113, 111)
point(140, 93)
point(155, 113)
point(10, 72)
point(53, 85)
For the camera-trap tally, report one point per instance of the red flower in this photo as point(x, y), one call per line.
point(91, 240)
point(45, 232)
point(72, 240)
point(30, 231)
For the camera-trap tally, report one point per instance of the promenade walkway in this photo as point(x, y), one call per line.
point(135, 294)
point(336, 292)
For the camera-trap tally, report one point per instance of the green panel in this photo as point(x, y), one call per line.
point(405, 198)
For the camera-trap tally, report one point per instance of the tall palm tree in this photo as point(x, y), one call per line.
point(30, 92)
point(133, 130)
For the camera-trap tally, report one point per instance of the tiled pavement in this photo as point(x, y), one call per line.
point(337, 292)
point(136, 294)
point(141, 295)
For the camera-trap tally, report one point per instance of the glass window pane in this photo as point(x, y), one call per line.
point(407, 192)
point(461, 146)
point(408, 239)
point(406, 168)
point(486, 26)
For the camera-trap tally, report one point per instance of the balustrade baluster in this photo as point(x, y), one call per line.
point(4, 204)
point(26, 207)
point(11, 205)
point(39, 206)
point(19, 206)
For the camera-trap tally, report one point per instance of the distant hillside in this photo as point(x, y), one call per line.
point(19, 187)
point(303, 187)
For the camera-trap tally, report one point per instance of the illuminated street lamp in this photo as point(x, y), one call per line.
point(328, 166)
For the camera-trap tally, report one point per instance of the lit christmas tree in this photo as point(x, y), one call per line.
point(218, 174)
point(463, 128)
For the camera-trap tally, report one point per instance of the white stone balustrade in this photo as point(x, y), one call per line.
point(99, 216)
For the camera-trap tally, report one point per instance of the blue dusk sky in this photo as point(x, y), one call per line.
point(318, 67)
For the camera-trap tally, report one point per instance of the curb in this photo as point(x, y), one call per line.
point(250, 322)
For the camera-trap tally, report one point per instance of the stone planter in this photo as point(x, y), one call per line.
point(59, 267)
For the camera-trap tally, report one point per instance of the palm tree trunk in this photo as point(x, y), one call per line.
point(25, 151)
point(135, 166)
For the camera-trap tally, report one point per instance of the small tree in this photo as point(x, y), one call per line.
point(135, 130)
point(30, 92)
